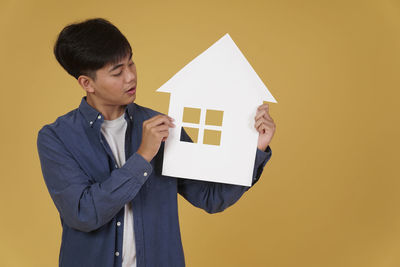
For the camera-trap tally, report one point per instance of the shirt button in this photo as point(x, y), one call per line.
point(99, 117)
point(145, 174)
point(91, 122)
point(131, 117)
point(117, 253)
point(118, 223)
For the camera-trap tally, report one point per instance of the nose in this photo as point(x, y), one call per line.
point(130, 75)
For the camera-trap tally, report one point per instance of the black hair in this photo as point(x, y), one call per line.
point(84, 47)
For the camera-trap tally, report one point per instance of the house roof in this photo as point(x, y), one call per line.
point(223, 68)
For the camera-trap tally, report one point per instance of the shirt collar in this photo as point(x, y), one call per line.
point(92, 115)
point(130, 110)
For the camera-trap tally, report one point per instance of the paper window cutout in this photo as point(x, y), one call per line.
point(212, 137)
point(192, 132)
point(191, 115)
point(202, 129)
point(214, 117)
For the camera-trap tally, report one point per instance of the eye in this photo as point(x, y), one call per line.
point(117, 74)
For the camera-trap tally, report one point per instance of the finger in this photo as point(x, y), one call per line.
point(156, 118)
point(263, 107)
point(270, 126)
point(259, 129)
point(153, 118)
point(258, 122)
point(164, 138)
point(262, 128)
point(263, 113)
point(158, 121)
point(266, 125)
point(160, 128)
point(263, 120)
point(260, 113)
point(167, 120)
point(264, 117)
point(163, 135)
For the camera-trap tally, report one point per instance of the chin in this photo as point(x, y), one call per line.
point(130, 100)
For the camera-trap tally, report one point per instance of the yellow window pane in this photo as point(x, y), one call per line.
point(191, 115)
point(192, 132)
point(212, 137)
point(214, 117)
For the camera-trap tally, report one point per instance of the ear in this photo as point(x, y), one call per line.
point(86, 83)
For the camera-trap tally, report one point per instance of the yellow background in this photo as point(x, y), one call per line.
point(330, 196)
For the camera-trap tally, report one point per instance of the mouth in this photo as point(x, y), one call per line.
point(131, 91)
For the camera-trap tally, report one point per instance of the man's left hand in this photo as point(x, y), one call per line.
point(265, 126)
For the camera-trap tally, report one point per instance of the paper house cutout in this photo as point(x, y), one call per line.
point(218, 80)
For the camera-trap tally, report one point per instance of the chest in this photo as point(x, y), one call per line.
point(93, 149)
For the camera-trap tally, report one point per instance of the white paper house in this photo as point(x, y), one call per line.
point(219, 79)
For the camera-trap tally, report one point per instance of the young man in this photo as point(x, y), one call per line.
point(102, 161)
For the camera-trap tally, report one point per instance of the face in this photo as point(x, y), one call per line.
point(115, 84)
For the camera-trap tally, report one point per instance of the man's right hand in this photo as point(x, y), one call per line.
point(155, 131)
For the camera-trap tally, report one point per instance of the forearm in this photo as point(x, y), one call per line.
point(216, 197)
point(87, 208)
point(83, 203)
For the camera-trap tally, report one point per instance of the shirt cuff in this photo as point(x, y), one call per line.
point(138, 166)
point(262, 157)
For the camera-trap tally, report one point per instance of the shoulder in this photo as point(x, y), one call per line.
point(65, 122)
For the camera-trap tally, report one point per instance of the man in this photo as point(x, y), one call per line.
point(102, 161)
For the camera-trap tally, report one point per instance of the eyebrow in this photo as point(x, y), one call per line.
point(119, 65)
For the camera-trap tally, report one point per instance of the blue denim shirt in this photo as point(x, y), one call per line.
point(90, 191)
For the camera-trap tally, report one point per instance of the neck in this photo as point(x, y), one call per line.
point(109, 112)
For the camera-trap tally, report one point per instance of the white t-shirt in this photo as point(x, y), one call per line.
point(114, 132)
